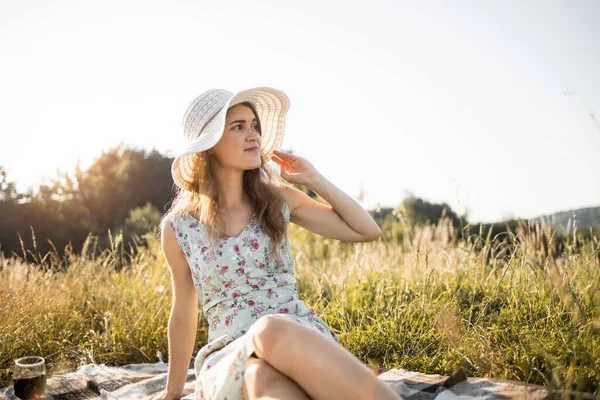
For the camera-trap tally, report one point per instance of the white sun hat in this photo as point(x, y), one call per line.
point(204, 122)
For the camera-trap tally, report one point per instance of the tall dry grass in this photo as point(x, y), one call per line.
point(430, 301)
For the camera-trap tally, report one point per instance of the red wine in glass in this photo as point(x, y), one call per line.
point(29, 377)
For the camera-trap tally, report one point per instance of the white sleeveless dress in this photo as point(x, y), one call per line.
point(238, 282)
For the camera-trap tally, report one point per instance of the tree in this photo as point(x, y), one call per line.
point(8, 190)
point(141, 221)
point(71, 206)
point(120, 180)
point(418, 211)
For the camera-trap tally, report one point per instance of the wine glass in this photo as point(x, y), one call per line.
point(29, 377)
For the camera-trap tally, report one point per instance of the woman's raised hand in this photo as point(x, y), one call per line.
point(294, 169)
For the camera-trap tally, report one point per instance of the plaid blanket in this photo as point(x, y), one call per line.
point(418, 386)
point(142, 381)
point(137, 381)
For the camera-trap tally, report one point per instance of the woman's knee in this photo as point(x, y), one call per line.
point(271, 332)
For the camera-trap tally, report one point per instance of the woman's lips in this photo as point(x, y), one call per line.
point(254, 149)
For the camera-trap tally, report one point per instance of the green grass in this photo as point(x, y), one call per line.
point(427, 301)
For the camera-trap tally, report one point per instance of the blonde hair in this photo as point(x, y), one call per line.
point(262, 185)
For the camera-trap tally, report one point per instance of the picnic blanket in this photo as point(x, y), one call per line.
point(142, 381)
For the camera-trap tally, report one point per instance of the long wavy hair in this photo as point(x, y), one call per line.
point(262, 185)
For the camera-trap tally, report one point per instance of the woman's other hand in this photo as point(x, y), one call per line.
point(295, 169)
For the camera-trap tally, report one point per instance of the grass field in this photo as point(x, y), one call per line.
point(430, 301)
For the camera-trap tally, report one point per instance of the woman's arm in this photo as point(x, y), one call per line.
point(342, 219)
point(183, 320)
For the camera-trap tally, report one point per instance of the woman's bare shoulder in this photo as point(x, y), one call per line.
point(169, 244)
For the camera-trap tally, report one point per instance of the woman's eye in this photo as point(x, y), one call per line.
point(255, 127)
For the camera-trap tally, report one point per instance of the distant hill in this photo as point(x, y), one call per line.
point(585, 217)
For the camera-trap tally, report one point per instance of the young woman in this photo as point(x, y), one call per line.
point(225, 241)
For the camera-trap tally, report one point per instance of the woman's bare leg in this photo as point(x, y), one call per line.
point(322, 368)
point(262, 381)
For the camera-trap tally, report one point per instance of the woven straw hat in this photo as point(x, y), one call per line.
point(204, 122)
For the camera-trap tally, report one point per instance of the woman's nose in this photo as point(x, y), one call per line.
point(254, 136)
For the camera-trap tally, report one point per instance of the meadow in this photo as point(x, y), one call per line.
point(430, 300)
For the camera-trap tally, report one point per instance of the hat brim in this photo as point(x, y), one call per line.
point(271, 106)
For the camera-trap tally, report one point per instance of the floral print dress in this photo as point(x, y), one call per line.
point(238, 281)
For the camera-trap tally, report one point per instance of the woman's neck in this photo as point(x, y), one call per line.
point(231, 190)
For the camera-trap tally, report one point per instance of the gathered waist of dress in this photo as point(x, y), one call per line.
point(242, 300)
point(256, 286)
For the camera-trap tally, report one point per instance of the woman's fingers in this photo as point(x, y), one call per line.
point(290, 163)
point(280, 161)
point(285, 156)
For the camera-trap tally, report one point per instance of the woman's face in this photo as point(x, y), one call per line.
point(240, 134)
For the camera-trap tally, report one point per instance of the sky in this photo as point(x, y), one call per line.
point(460, 102)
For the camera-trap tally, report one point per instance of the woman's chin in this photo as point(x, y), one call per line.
point(253, 165)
